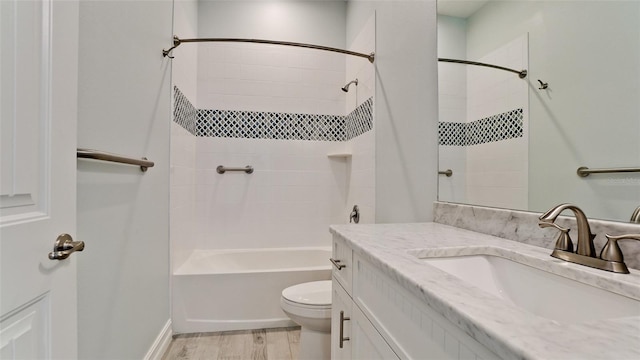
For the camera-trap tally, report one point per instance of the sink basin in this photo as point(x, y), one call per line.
point(537, 291)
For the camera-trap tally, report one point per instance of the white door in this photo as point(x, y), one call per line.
point(38, 110)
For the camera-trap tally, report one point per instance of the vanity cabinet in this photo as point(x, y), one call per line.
point(352, 334)
point(385, 321)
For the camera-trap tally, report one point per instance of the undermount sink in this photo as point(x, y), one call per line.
point(537, 291)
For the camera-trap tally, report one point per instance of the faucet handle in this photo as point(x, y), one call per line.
point(611, 251)
point(563, 242)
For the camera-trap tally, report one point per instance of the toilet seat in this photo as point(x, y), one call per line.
point(311, 300)
point(306, 311)
point(311, 294)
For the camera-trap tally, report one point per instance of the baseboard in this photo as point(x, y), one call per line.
point(205, 326)
point(161, 343)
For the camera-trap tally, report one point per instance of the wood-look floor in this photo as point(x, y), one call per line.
point(264, 344)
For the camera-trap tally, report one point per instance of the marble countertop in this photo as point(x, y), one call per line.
point(512, 332)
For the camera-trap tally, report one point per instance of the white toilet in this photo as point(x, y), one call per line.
point(309, 305)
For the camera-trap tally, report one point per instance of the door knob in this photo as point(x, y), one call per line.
point(65, 246)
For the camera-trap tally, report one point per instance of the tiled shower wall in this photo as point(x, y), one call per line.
point(298, 187)
point(270, 78)
point(244, 93)
point(183, 144)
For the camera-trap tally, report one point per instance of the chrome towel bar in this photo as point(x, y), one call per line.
point(447, 172)
point(584, 171)
point(105, 156)
point(222, 169)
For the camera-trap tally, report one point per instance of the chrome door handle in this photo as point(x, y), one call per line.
point(336, 264)
point(342, 320)
point(65, 246)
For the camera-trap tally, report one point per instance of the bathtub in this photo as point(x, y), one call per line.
point(221, 290)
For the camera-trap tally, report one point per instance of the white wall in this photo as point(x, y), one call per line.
point(406, 105)
point(587, 116)
point(123, 214)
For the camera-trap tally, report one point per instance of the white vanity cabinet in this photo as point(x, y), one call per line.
point(352, 334)
point(385, 321)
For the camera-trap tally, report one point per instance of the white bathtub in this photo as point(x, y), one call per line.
point(220, 290)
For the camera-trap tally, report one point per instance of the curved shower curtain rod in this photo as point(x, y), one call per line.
point(177, 41)
point(521, 73)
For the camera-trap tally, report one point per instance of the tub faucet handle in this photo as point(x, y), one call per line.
point(355, 215)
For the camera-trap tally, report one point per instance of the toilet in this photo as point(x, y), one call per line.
point(309, 305)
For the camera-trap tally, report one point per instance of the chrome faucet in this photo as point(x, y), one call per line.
point(610, 258)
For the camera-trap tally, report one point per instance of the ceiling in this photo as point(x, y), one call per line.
point(459, 8)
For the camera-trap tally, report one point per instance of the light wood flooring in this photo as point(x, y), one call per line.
point(263, 344)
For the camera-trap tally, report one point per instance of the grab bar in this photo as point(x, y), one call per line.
point(222, 169)
point(105, 156)
point(447, 172)
point(584, 171)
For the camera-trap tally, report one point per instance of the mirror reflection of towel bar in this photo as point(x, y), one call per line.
point(584, 171)
point(222, 169)
point(447, 172)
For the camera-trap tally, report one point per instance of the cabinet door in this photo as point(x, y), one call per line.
point(367, 343)
point(341, 303)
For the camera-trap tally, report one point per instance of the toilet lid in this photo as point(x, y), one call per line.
point(311, 293)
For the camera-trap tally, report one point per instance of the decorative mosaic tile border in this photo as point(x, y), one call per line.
point(507, 125)
point(360, 120)
point(184, 113)
point(270, 125)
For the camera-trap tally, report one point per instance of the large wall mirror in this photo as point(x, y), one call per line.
point(518, 143)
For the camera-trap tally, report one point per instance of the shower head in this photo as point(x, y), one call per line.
point(346, 87)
